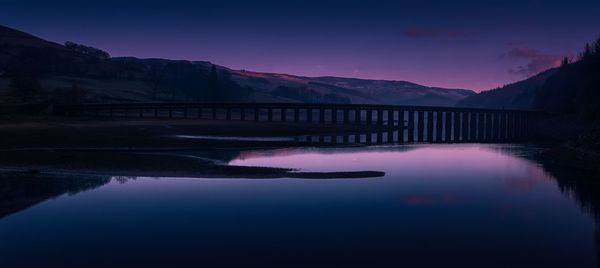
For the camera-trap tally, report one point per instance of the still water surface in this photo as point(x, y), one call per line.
point(451, 205)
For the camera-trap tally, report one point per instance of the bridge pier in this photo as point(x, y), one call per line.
point(270, 114)
point(346, 119)
point(401, 126)
point(357, 116)
point(296, 115)
point(429, 126)
point(448, 127)
point(379, 117)
point(480, 126)
point(369, 116)
point(411, 126)
point(322, 116)
point(283, 114)
point(421, 126)
point(456, 116)
point(464, 126)
point(309, 115)
point(334, 116)
point(488, 126)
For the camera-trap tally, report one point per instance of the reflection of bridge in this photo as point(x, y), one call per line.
point(418, 123)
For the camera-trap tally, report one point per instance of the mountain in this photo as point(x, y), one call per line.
point(519, 95)
point(77, 73)
point(356, 90)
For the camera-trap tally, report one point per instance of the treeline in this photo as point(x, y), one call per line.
point(575, 87)
point(164, 80)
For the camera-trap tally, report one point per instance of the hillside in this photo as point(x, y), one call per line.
point(33, 69)
point(519, 95)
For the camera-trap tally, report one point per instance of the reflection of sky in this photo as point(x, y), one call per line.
point(450, 201)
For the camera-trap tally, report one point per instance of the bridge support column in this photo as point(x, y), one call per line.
point(439, 126)
point(464, 126)
point(411, 126)
point(448, 127)
point(346, 119)
point(519, 125)
point(421, 126)
point(456, 126)
point(321, 116)
point(503, 126)
point(270, 114)
point(283, 114)
point(369, 116)
point(357, 116)
point(488, 126)
point(429, 126)
point(334, 116)
point(309, 114)
point(472, 126)
point(379, 117)
point(480, 126)
point(497, 126)
point(296, 115)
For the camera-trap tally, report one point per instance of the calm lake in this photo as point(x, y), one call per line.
point(459, 205)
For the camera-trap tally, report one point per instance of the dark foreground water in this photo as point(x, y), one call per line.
point(438, 205)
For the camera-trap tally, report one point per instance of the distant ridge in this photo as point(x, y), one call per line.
point(105, 79)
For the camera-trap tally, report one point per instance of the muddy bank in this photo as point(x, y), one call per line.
point(148, 164)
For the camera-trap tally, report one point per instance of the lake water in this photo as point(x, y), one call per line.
point(438, 205)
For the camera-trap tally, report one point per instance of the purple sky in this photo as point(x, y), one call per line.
point(465, 44)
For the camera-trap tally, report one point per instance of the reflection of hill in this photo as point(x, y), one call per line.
point(21, 191)
point(584, 189)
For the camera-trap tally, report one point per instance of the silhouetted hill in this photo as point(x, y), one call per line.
point(354, 89)
point(32, 69)
point(517, 95)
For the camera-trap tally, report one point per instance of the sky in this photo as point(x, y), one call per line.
point(455, 44)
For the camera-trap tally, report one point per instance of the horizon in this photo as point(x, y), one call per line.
point(505, 45)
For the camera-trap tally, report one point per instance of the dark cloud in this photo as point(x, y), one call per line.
point(422, 32)
point(418, 32)
point(536, 61)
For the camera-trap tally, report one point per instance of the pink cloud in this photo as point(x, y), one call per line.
point(536, 61)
